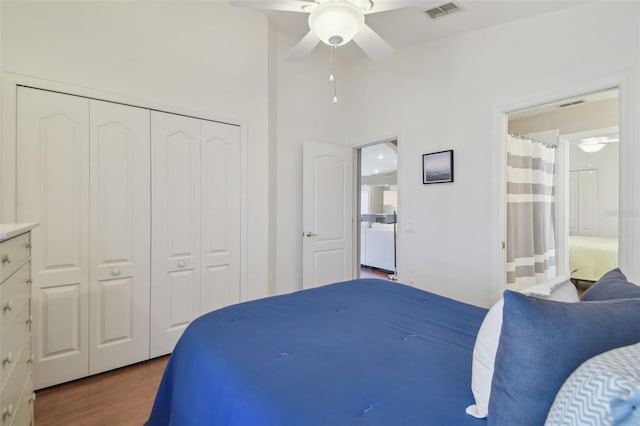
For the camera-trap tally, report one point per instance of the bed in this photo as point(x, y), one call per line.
point(359, 352)
point(592, 256)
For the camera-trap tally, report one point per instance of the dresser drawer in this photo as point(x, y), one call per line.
point(15, 386)
point(24, 414)
point(13, 253)
point(14, 293)
point(13, 341)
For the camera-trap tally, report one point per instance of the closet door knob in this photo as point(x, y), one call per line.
point(5, 259)
point(7, 359)
point(115, 272)
point(29, 320)
point(181, 264)
point(29, 281)
point(7, 412)
point(8, 307)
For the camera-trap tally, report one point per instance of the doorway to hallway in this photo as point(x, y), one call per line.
point(378, 202)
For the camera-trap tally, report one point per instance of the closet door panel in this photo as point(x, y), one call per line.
point(220, 215)
point(120, 234)
point(175, 175)
point(53, 190)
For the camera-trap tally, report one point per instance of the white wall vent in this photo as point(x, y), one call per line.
point(442, 10)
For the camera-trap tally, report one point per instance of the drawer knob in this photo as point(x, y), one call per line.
point(7, 359)
point(7, 411)
point(5, 259)
point(8, 306)
point(181, 264)
point(115, 272)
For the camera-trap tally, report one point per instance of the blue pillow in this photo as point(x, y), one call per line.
point(542, 342)
point(612, 285)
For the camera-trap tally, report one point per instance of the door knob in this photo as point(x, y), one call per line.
point(310, 234)
point(181, 264)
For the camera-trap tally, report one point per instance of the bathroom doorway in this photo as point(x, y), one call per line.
point(577, 184)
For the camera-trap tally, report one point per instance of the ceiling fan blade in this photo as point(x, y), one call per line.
point(372, 44)
point(382, 5)
point(286, 5)
point(304, 47)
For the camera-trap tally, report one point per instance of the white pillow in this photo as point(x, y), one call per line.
point(484, 352)
point(560, 289)
point(601, 391)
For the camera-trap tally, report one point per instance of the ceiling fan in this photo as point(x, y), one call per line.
point(336, 22)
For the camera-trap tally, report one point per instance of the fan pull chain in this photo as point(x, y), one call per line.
point(332, 76)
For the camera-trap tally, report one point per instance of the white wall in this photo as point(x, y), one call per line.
point(449, 94)
point(209, 57)
point(305, 113)
point(606, 162)
point(205, 57)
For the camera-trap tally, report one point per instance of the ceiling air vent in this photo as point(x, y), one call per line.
point(442, 10)
point(581, 101)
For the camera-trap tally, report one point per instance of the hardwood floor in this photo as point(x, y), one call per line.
point(121, 397)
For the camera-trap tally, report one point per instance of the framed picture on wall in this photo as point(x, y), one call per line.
point(437, 167)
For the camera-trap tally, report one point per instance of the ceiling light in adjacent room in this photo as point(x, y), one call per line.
point(591, 146)
point(595, 144)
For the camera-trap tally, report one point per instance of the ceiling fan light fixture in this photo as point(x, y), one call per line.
point(336, 22)
point(591, 146)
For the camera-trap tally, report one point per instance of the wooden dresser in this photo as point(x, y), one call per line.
point(16, 381)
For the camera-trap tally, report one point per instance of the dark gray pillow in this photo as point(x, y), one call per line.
point(612, 285)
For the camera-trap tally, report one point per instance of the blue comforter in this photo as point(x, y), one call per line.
point(363, 352)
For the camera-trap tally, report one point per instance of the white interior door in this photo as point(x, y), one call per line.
point(220, 220)
point(120, 234)
point(175, 229)
point(53, 189)
point(326, 214)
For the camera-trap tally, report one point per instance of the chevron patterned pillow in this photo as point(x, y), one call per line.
point(602, 391)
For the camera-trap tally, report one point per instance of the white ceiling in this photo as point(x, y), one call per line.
point(404, 27)
point(379, 159)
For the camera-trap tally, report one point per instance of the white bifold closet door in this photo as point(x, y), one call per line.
point(53, 190)
point(83, 174)
point(195, 171)
point(120, 235)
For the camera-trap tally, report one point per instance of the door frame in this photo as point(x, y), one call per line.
point(629, 153)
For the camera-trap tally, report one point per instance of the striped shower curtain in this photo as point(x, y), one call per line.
point(531, 208)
